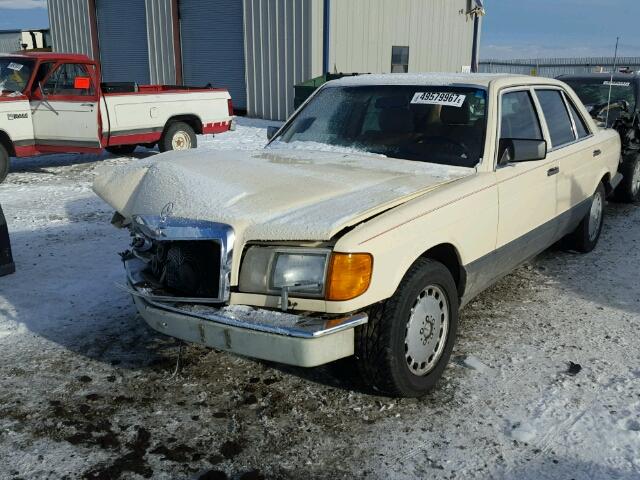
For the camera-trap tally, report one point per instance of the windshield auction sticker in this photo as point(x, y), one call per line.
point(448, 99)
point(617, 84)
point(15, 66)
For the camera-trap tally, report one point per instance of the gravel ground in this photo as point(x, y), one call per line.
point(544, 381)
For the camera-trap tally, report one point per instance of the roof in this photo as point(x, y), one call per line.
point(437, 79)
point(617, 77)
point(74, 57)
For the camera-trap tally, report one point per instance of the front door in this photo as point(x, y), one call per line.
point(65, 109)
point(527, 190)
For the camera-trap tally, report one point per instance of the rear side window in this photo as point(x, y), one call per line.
point(519, 118)
point(557, 116)
point(581, 128)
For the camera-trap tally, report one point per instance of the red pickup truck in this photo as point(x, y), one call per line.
point(52, 103)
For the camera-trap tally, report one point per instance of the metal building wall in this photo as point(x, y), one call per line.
point(70, 25)
point(162, 61)
point(283, 47)
point(10, 41)
point(439, 34)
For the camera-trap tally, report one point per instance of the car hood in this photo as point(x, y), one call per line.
point(270, 194)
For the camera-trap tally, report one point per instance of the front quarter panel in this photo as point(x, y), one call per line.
point(463, 214)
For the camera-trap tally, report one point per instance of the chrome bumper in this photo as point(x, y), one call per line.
point(265, 334)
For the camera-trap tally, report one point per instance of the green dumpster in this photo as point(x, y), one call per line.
point(305, 89)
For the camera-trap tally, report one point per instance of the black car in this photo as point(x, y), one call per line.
point(621, 112)
point(6, 261)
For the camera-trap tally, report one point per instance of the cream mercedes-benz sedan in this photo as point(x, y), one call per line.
point(381, 207)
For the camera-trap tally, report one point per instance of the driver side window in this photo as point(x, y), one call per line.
point(61, 82)
point(519, 119)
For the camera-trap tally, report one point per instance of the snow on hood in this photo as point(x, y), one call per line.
point(270, 195)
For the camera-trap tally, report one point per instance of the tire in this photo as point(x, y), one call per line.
point(121, 149)
point(629, 189)
point(178, 136)
point(586, 235)
point(385, 345)
point(4, 163)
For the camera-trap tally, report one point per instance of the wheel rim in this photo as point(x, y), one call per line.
point(181, 141)
point(635, 179)
point(427, 330)
point(595, 216)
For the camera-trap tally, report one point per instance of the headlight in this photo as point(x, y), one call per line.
point(268, 270)
point(306, 272)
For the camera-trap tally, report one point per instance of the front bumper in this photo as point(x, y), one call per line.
point(294, 339)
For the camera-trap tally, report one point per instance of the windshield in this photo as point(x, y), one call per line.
point(15, 73)
point(594, 93)
point(444, 125)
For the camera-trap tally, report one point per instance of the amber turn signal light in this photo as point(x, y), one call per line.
point(349, 275)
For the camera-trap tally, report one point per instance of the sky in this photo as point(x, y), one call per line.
point(19, 14)
point(560, 28)
point(511, 28)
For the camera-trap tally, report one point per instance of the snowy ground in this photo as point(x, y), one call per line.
point(87, 391)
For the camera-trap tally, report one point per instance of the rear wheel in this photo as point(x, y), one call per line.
point(629, 188)
point(585, 237)
point(4, 163)
point(405, 347)
point(178, 136)
point(121, 149)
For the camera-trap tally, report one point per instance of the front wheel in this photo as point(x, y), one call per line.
point(629, 189)
point(4, 163)
point(585, 237)
point(405, 347)
point(178, 136)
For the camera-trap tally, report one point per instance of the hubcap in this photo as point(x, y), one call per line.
point(181, 141)
point(427, 330)
point(635, 179)
point(595, 216)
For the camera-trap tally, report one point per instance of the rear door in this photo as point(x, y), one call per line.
point(64, 110)
point(573, 146)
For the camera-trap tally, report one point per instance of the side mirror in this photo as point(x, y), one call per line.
point(514, 150)
point(271, 132)
point(81, 83)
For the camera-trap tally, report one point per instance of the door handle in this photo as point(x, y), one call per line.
point(553, 171)
point(597, 153)
point(87, 105)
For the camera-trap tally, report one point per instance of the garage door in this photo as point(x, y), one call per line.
point(213, 46)
point(122, 36)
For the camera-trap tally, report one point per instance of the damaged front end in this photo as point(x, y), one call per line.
point(180, 260)
point(179, 274)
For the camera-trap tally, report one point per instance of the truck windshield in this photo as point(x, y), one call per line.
point(595, 93)
point(444, 125)
point(15, 73)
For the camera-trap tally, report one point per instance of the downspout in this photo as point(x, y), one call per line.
point(477, 12)
point(326, 35)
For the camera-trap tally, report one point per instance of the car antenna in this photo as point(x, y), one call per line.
point(615, 61)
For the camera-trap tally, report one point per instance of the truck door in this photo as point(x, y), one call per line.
point(65, 109)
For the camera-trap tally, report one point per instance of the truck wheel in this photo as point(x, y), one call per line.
point(178, 136)
point(585, 237)
point(629, 189)
point(121, 149)
point(4, 163)
point(404, 348)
